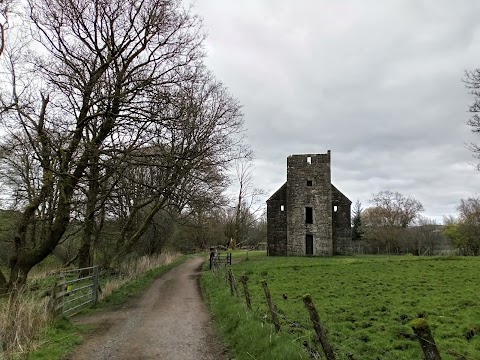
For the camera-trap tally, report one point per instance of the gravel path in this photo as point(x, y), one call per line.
point(169, 321)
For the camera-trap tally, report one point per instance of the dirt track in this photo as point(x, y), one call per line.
point(169, 321)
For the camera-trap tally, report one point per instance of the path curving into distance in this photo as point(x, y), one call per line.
point(169, 321)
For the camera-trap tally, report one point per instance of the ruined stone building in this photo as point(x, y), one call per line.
point(308, 215)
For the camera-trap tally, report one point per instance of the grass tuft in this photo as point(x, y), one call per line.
point(23, 320)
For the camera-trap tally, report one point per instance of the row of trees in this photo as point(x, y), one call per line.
point(464, 230)
point(112, 131)
point(394, 224)
point(167, 231)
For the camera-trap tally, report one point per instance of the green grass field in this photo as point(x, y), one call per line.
point(366, 303)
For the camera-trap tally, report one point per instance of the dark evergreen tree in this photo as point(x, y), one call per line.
point(357, 232)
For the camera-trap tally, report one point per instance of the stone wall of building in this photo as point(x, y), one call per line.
point(341, 218)
point(277, 223)
point(309, 185)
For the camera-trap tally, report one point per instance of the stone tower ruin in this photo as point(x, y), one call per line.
point(308, 215)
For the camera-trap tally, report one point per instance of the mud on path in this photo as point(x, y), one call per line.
point(169, 321)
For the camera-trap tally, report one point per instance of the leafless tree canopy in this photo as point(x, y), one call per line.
point(246, 208)
point(472, 82)
point(394, 209)
point(110, 111)
point(4, 8)
point(388, 225)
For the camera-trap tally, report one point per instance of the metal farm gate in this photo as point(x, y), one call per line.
point(76, 290)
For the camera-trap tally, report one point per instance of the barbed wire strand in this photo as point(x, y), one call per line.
point(296, 324)
point(263, 318)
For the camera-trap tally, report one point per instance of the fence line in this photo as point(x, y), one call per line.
point(305, 347)
point(216, 260)
point(419, 326)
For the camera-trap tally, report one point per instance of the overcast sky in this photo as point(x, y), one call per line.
point(376, 82)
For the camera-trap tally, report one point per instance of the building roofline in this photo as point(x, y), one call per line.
point(278, 190)
point(346, 197)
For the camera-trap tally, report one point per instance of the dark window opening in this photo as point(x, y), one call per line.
point(309, 182)
point(308, 215)
point(309, 244)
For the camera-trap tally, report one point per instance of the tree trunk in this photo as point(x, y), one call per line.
point(85, 253)
point(125, 247)
point(25, 258)
point(237, 216)
point(3, 284)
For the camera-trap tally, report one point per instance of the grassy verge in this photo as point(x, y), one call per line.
point(59, 339)
point(135, 286)
point(62, 335)
point(367, 304)
point(249, 335)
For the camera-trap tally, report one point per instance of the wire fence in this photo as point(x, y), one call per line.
point(315, 346)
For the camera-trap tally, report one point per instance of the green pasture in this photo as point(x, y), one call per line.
point(366, 303)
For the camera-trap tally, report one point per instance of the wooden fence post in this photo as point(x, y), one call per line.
point(212, 257)
point(318, 326)
point(56, 300)
point(51, 301)
point(422, 331)
point(271, 306)
point(233, 285)
point(244, 280)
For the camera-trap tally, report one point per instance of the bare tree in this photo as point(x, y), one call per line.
point(395, 209)
point(426, 235)
point(100, 62)
point(247, 210)
point(186, 157)
point(4, 10)
point(472, 82)
point(179, 163)
point(385, 222)
point(22, 174)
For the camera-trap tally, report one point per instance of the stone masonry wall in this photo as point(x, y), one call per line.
point(277, 223)
point(318, 196)
point(342, 230)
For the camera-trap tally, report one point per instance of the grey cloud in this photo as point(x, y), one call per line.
point(378, 83)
